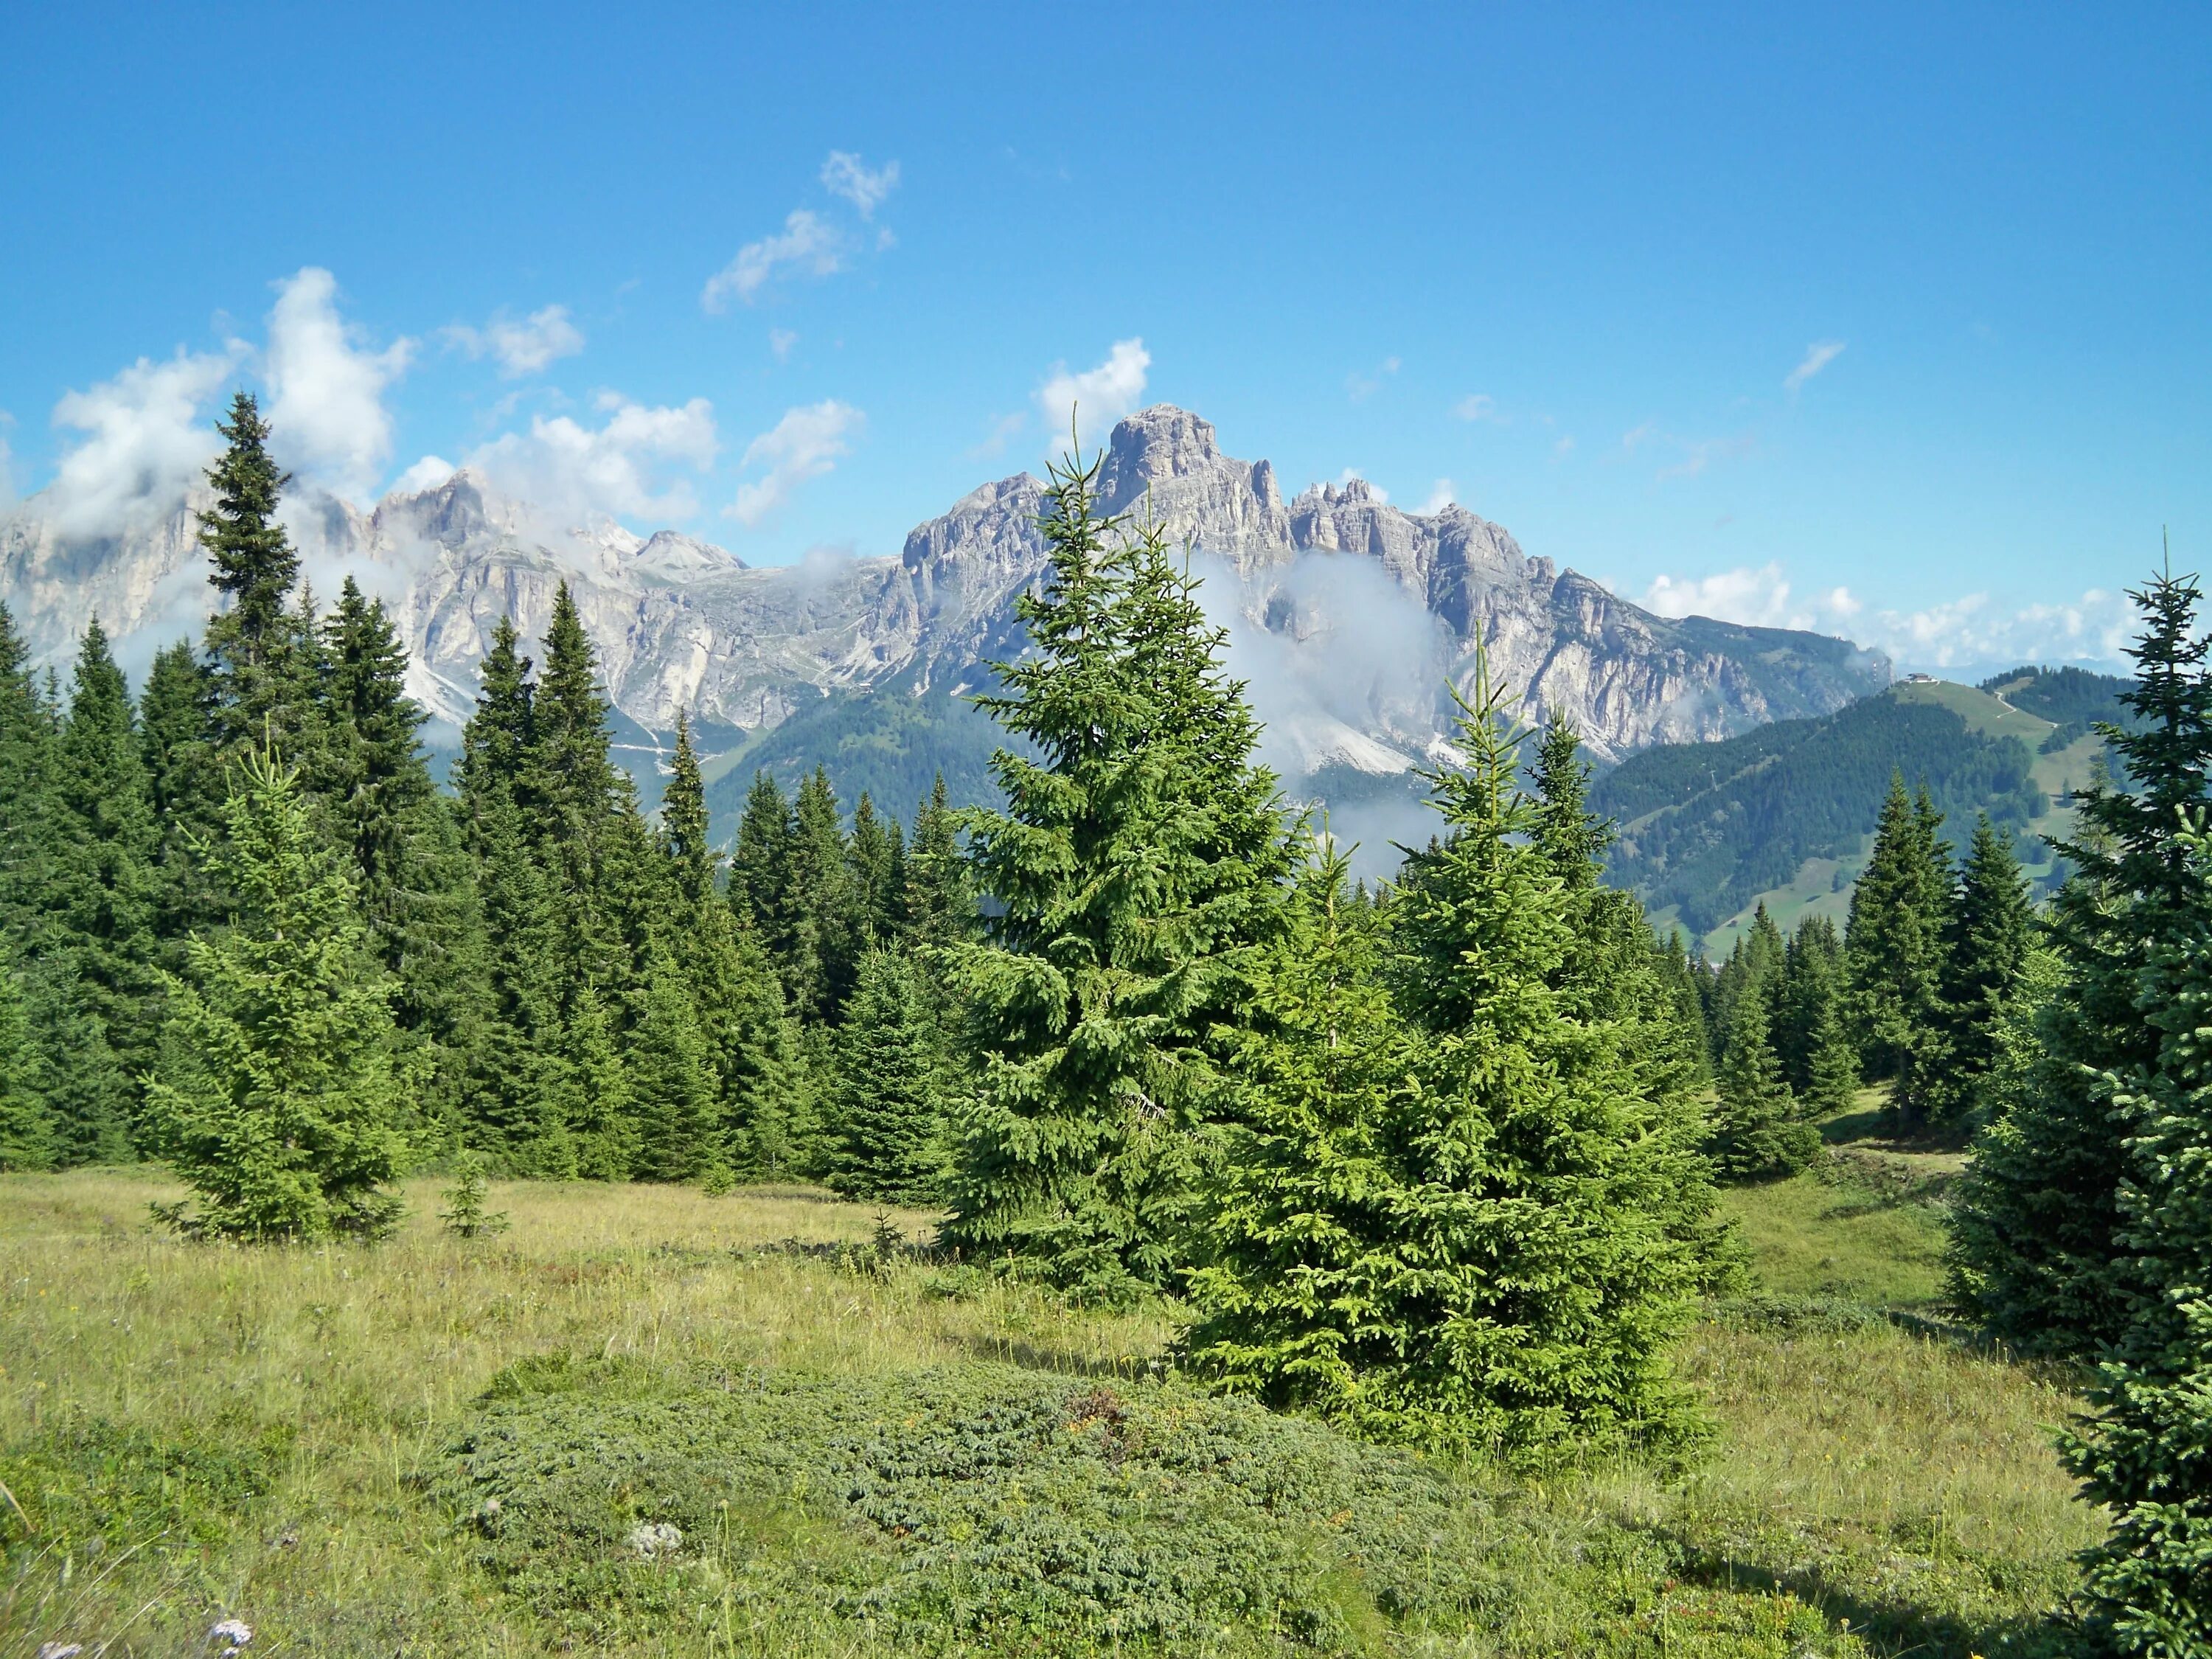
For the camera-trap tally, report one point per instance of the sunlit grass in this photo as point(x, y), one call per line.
point(1901, 1484)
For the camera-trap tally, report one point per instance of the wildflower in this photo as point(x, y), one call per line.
point(60, 1650)
point(234, 1634)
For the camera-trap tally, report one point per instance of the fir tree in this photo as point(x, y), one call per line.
point(1547, 1262)
point(1894, 940)
point(760, 872)
point(26, 760)
point(184, 785)
point(26, 1141)
point(1757, 1133)
point(883, 1109)
point(829, 909)
point(592, 1130)
point(97, 950)
point(1992, 930)
point(2140, 1450)
point(939, 904)
point(282, 1105)
point(2040, 1245)
point(683, 824)
point(873, 856)
point(1137, 865)
point(1303, 1245)
point(672, 1091)
point(255, 645)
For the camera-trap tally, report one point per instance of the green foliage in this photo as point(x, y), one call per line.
point(1992, 931)
point(1895, 941)
point(281, 1103)
point(977, 1509)
point(1302, 1233)
point(1137, 863)
point(1548, 1261)
point(2043, 1253)
point(27, 1133)
point(255, 565)
point(1711, 824)
point(89, 1486)
point(1757, 1133)
point(2140, 1451)
point(883, 1106)
point(465, 1215)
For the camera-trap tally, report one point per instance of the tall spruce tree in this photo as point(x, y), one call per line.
point(830, 907)
point(1546, 1269)
point(1894, 939)
point(2139, 1452)
point(281, 1103)
point(1757, 1133)
point(2042, 1250)
point(254, 642)
point(1303, 1244)
point(1137, 863)
point(178, 731)
point(97, 1000)
point(1992, 930)
point(883, 1109)
point(26, 765)
point(26, 1138)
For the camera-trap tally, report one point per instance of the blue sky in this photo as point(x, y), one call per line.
point(1711, 303)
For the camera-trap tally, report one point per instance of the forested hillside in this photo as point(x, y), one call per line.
point(1786, 813)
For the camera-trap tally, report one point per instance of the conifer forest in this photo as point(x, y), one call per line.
point(1267, 1260)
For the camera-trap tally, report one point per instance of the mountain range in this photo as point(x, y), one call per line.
point(1350, 616)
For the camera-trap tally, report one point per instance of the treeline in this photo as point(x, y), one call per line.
point(1710, 825)
point(1924, 988)
point(553, 982)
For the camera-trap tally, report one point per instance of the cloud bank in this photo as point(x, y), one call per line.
point(326, 389)
point(525, 348)
point(631, 465)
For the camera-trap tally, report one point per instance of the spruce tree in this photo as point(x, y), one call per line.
point(177, 729)
point(280, 1103)
point(1894, 939)
point(760, 873)
point(1992, 930)
point(96, 942)
point(254, 642)
point(883, 1111)
point(1137, 863)
point(27, 1139)
point(872, 853)
point(26, 763)
point(671, 1079)
point(1757, 1133)
point(1303, 1240)
point(592, 1130)
point(939, 904)
point(2140, 1450)
point(1547, 1267)
point(2042, 1249)
point(683, 823)
point(829, 929)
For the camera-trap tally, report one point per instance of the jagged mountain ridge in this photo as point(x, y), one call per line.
point(684, 625)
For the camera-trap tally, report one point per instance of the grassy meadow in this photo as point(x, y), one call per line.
point(649, 1421)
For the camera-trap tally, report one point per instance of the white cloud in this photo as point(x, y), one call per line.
point(1475, 406)
point(146, 444)
point(1360, 387)
point(1818, 355)
point(1974, 632)
point(844, 174)
point(1096, 398)
point(1757, 596)
point(781, 341)
point(327, 412)
point(804, 444)
point(1699, 453)
point(1440, 497)
point(621, 469)
point(425, 474)
point(809, 244)
point(523, 348)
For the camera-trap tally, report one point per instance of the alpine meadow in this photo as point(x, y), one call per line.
point(717, 941)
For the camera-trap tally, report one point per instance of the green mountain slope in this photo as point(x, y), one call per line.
point(1785, 814)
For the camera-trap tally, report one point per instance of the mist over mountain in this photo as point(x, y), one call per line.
point(1352, 618)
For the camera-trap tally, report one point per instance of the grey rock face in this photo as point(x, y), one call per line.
point(1378, 607)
